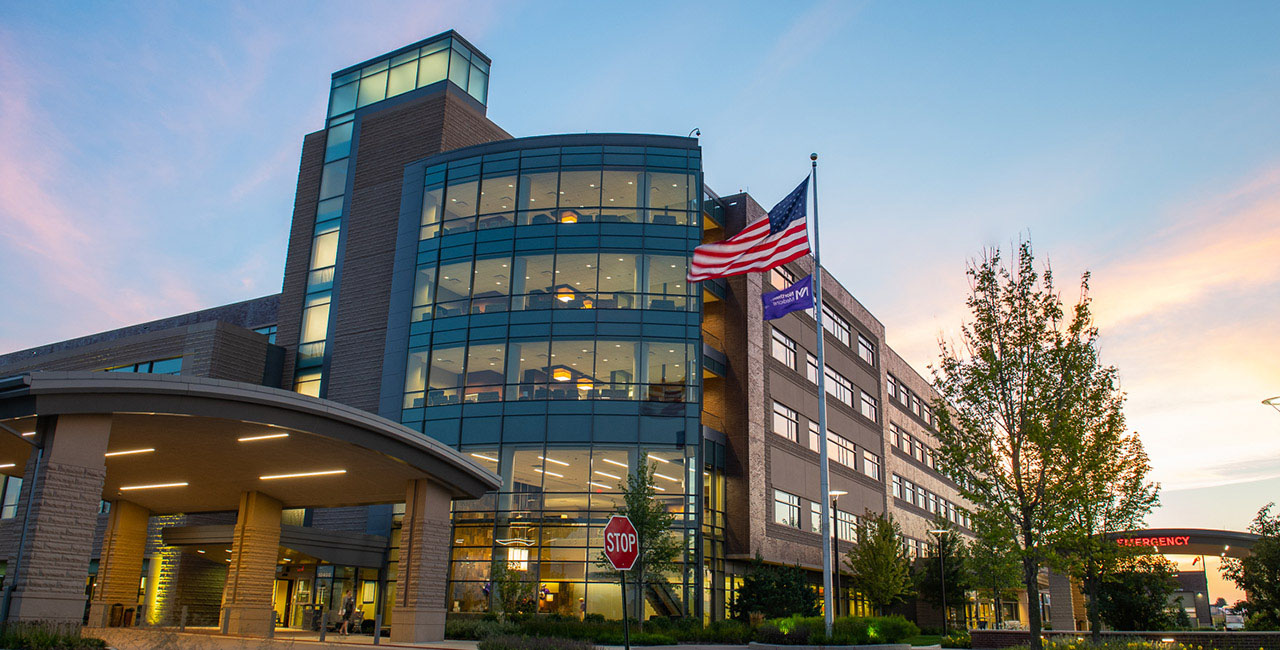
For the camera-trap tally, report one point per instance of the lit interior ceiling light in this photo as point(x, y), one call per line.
point(664, 476)
point(584, 384)
point(483, 457)
point(660, 460)
point(660, 489)
point(552, 460)
point(28, 434)
point(614, 462)
point(548, 472)
point(269, 436)
point(564, 295)
point(612, 476)
point(200, 551)
point(153, 486)
point(599, 485)
point(561, 374)
point(6, 465)
point(129, 452)
point(327, 472)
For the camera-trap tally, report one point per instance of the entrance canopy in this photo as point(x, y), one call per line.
point(1188, 541)
point(186, 444)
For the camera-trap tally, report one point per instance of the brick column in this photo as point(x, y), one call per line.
point(418, 613)
point(120, 562)
point(54, 564)
point(251, 574)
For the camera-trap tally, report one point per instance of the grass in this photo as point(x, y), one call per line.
point(925, 639)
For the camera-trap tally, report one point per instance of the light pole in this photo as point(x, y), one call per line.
point(942, 575)
point(835, 551)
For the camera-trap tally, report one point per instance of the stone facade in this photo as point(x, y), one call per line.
point(255, 546)
point(419, 607)
point(120, 561)
point(63, 487)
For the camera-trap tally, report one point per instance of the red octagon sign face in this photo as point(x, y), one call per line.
point(621, 544)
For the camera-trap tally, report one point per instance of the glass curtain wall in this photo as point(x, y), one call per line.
point(555, 339)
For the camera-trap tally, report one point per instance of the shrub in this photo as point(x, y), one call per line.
point(892, 629)
point(474, 629)
point(637, 638)
point(959, 639)
point(46, 636)
point(511, 642)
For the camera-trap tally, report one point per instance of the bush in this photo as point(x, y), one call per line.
point(46, 636)
point(474, 629)
point(511, 642)
point(892, 629)
point(957, 640)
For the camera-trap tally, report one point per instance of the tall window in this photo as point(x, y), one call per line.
point(870, 406)
point(815, 437)
point(846, 526)
point(839, 387)
point(12, 487)
point(784, 349)
point(836, 324)
point(892, 387)
point(781, 278)
point(786, 423)
point(866, 350)
point(870, 464)
point(811, 368)
point(815, 517)
point(842, 450)
point(897, 486)
point(786, 509)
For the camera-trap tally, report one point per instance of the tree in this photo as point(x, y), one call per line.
point(660, 546)
point(1012, 396)
point(774, 592)
point(514, 592)
point(945, 566)
point(1135, 595)
point(1259, 574)
point(878, 564)
point(1113, 493)
point(994, 569)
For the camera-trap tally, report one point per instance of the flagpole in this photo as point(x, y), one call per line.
point(824, 480)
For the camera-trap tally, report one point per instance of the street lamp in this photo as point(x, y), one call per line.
point(1273, 402)
point(942, 575)
point(835, 551)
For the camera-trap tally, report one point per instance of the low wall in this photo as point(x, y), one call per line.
point(995, 639)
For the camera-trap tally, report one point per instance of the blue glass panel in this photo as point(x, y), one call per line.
point(410, 416)
point(420, 327)
point(455, 252)
point(486, 333)
point(635, 160)
point(618, 329)
point(662, 430)
point(524, 428)
point(616, 428)
point(488, 320)
point(531, 407)
point(575, 329)
point(446, 431)
point(452, 323)
point(534, 243)
point(569, 428)
point(542, 230)
point(585, 241)
point(449, 336)
point(419, 340)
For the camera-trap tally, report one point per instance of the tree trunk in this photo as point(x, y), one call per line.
point(999, 602)
point(1095, 615)
point(1030, 575)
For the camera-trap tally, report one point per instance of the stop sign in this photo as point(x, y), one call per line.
point(621, 543)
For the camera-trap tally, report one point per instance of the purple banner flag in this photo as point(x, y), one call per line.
point(794, 298)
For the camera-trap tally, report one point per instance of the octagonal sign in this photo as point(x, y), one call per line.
point(621, 543)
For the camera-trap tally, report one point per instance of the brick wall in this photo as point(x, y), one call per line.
point(298, 257)
point(994, 639)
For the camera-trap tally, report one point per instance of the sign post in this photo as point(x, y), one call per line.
point(622, 549)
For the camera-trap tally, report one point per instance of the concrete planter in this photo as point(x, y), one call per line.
point(874, 646)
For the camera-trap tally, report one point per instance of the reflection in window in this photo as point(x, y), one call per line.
point(574, 369)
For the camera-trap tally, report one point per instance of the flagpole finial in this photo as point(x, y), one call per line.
point(813, 157)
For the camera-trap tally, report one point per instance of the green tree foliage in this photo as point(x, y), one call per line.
point(774, 592)
point(878, 565)
point(660, 544)
point(1135, 594)
point(1113, 493)
point(1259, 574)
point(946, 565)
point(994, 569)
point(514, 590)
point(1018, 394)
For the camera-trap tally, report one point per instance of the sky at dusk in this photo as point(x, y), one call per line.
point(149, 152)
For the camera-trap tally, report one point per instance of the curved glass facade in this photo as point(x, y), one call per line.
point(553, 337)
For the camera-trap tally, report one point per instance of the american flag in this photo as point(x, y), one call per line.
point(783, 237)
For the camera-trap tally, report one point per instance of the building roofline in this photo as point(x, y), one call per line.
point(396, 52)
point(565, 140)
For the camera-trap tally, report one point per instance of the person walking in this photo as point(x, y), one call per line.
point(348, 608)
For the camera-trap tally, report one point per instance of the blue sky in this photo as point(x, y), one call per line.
point(148, 155)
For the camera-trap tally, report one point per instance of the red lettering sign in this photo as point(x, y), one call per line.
point(621, 543)
point(1173, 540)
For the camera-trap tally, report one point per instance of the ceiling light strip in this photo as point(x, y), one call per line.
point(129, 452)
point(153, 486)
point(269, 436)
point(327, 472)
